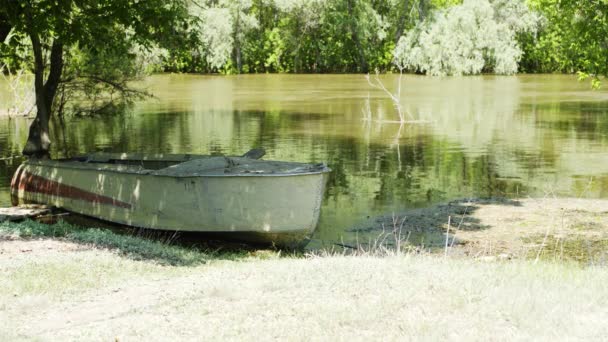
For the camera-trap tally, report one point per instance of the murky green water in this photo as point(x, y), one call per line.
point(484, 136)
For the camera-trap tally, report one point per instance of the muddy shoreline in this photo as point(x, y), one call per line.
point(567, 228)
point(560, 229)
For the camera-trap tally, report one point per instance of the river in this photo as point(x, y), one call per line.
point(529, 135)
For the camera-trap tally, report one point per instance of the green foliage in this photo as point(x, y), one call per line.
point(300, 35)
point(90, 22)
point(14, 50)
point(258, 36)
point(95, 81)
point(449, 36)
point(595, 80)
point(573, 38)
point(479, 35)
point(275, 46)
point(100, 42)
point(445, 3)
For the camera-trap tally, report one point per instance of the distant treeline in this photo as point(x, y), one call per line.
point(85, 53)
point(437, 36)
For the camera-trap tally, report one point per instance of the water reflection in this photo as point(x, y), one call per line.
point(487, 136)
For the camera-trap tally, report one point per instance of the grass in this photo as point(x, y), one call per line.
point(579, 249)
point(134, 247)
point(56, 275)
point(61, 282)
point(339, 297)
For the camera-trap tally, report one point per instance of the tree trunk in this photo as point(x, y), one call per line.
point(237, 44)
point(38, 142)
point(401, 22)
point(317, 65)
point(363, 67)
point(296, 55)
point(239, 58)
point(5, 28)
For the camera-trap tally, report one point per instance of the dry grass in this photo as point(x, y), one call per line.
point(61, 283)
point(93, 294)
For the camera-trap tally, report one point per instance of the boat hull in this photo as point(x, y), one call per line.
point(279, 209)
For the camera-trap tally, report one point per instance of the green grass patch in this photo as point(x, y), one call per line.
point(580, 249)
point(134, 247)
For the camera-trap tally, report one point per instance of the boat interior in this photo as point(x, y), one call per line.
point(141, 161)
point(180, 165)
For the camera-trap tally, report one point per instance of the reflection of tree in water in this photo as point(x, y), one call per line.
point(532, 131)
point(13, 133)
point(422, 168)
point(157, 133)
point(588, 119)
point(482, 141)
point(426, 169)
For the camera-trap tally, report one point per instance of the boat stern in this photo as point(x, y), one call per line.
point(16, 182)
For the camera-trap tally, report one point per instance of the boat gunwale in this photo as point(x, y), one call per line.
point(147, 172)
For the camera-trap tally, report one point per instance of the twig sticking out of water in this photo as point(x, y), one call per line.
point(375, 82)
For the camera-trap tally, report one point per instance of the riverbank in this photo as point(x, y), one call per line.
point(68, 283)
point(557, 229)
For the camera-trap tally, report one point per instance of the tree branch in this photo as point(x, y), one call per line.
point(118, 86)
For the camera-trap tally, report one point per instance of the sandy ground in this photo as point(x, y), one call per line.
point(492, 227)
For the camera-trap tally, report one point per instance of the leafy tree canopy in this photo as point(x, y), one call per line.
point(59, 34)
point(573, 38)
point(479, 35)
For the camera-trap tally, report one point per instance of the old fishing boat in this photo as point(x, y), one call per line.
point(264, 201)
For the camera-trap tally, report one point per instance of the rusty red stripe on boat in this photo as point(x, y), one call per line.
point(34, 183)
point(15, 187)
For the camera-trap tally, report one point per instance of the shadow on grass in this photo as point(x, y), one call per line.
point(161, 247)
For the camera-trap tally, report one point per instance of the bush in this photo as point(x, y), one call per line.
point(479, 35)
